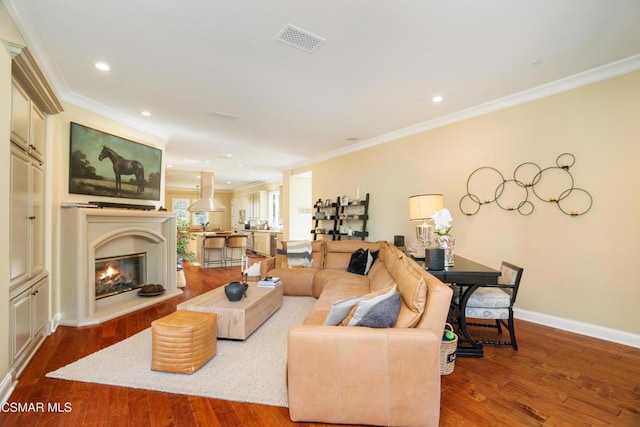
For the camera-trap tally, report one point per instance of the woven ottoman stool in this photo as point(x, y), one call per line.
point(183, 341)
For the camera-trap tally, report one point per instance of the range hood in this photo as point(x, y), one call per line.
point(207, 203)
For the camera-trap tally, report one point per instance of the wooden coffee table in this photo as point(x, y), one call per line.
point(237, 320)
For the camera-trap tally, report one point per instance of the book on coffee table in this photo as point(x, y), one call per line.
point(269, 282)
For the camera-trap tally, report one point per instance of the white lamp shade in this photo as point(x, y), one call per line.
point(423, 206)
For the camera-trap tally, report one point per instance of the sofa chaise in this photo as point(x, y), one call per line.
point(364, 375)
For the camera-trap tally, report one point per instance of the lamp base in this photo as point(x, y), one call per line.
point(418, 249)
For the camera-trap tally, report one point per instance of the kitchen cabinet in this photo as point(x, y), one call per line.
point(257, 205)
point(28, 315)
point(261, 243)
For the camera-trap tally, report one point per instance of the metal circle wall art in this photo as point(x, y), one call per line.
point(553, 184)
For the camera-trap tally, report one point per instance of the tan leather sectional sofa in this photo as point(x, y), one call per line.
point(361, 375)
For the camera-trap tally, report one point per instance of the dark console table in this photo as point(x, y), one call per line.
point(469, 275)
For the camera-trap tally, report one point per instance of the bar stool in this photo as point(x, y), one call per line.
point(236, 250)
point(213, 251)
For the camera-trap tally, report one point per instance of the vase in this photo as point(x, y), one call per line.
point(447, 242)
point(235, 291)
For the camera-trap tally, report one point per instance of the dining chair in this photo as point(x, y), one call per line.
point(496, 303)
point(213, 251)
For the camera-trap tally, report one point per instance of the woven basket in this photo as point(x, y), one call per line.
point(448, 353)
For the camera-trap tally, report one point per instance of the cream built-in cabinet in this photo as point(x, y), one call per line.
point(29, 287)
point(27, 216)
point(28, 320)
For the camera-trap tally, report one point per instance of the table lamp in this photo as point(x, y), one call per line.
point(421, 208)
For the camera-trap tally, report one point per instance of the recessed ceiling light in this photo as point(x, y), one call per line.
point(436, 99)
point(228, 182)
point(169, 166)
point(146, 113)
point(102, 66)
point(228, 155)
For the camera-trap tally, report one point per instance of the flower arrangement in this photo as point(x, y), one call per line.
point(442, 220)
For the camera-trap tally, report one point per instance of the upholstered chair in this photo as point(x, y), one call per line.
point(496, 303)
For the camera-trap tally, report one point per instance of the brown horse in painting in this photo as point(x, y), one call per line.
point(122, 166)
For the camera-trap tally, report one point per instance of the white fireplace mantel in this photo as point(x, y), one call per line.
point(97, 233)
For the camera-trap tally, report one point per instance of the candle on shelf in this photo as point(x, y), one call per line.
point(358, 193)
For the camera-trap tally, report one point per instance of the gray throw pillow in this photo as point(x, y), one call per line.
point(382, 315)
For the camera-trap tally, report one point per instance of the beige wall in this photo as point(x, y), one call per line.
point(578, 268)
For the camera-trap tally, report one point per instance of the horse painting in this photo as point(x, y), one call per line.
point(122, 166)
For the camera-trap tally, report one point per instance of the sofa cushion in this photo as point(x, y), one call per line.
point(338, 252)
point(384, 314)
point(323, 277)
point(368, 301)
point(295, 281)
point(413, 288)
point(379, 276)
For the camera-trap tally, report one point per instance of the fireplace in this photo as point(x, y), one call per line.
point(124, 273)
point(140, 244)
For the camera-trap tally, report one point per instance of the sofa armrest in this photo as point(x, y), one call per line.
point(355, 375)
point(266, 265)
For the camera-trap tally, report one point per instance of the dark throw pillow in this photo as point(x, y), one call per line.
point(358, 262)
point(382, 315)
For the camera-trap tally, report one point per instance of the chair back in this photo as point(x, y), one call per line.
point(214, 242)
point(237, 242)
point(510, 275)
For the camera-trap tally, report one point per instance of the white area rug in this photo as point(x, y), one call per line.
point(245, 371)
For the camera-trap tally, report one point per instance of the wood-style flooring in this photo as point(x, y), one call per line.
point(555, 379)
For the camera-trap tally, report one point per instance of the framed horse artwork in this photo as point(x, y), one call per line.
point(101, 164)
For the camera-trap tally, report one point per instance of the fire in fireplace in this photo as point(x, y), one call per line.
point(115, 275)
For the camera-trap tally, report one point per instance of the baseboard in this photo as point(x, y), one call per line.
point(582, 328)
point(6, 388)
point(54, 323)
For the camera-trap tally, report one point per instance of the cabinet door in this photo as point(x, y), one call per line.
point(36, 221)
point(40, 304)
point(260, 243)
point(19, 216)
point(21, 315)
point(37, 140)
point(20, 110)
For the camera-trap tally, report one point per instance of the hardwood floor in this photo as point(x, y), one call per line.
point(556, 378)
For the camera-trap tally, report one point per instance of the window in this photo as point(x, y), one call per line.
point(181, 208)
point(274, 209)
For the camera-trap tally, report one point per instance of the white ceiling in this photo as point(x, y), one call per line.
point(282, 107)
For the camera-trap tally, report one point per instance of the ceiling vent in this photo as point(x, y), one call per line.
point(296, 37)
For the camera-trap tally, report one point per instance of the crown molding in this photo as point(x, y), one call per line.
point(26, 71)
point(111, 113)
point(617, 68)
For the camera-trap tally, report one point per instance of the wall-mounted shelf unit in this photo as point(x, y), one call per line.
point(341, 220)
